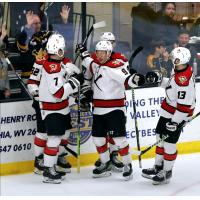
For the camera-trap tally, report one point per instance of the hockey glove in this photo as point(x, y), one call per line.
point(171, 126)
point(86, 94)
point(82, 50)
point(78, 77)
point(136, 79)
point(74, 82)
point(153, 77)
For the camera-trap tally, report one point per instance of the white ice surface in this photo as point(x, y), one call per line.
point(185, 181)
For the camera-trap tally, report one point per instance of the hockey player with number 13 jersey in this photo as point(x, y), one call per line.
point(177, 107)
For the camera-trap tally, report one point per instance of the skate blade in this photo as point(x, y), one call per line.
point(116, 169)
point(53, 181)
point(161, 183)
point(128, 178)
point(63, 178)
point(61, 169)
point(37, 171)
point(105, 174)
point(147, 176)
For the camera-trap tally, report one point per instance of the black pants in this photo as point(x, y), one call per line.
point(162, 131)
point(113, 124)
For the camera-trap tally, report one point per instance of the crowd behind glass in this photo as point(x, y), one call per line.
point(157, 32)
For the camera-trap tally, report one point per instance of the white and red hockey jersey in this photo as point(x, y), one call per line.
point(108, 84)
point(34, 79)
point(51, 77)
point(180, 99)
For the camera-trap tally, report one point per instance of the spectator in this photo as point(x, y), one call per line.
point(62, 18)
point(3, 36)
point(31, 42)
point(195, 29)
point(143, 18)
point(167, 28)
point(159, 60)
point(4, 81)
point(183, 41)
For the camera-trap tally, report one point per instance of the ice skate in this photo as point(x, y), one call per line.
point(63, 165)
point(97, 163)
point(128, 172)
point(162, 177)
point(117, 165)
point(150, 172)
point(39, 165)
point(103, 170)
point(51, 176)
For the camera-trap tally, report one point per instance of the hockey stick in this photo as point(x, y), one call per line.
point(78, 132)
point(134, 54)
point(136, 127)
point(94, 26)
point(21, 81)
point(71, 151)
point(162, 139)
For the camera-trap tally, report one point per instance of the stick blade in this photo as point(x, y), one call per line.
point(99, 24)
point(135, 152)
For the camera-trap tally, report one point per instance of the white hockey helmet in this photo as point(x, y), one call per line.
point(104, 46)
point(56, 45)
point(180, 56)
point(107, 36)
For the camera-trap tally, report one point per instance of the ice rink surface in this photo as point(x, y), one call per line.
point(185, 181)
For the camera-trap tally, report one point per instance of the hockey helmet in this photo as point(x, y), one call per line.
point(107, 36)
point(56, 45)
point(180, 56)
point(104, 46)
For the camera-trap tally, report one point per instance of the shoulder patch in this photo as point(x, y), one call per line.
point(182, 78)
point(118, 55)
point(52, 67)
point(113, 64)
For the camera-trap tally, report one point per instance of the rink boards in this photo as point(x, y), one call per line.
point(18, 127)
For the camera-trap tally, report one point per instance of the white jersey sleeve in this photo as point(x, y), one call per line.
point(34, 80)
point(120, 74)
point(164, 82)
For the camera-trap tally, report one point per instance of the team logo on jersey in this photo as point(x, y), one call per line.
point(85, 127)
point(53, 67)
point(116, 62)
point(182, 79)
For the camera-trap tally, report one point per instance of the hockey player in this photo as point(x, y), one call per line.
point(117, 165)
point(176, 108)
point(54, 89)
point(41, 137)
point(108, 85)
